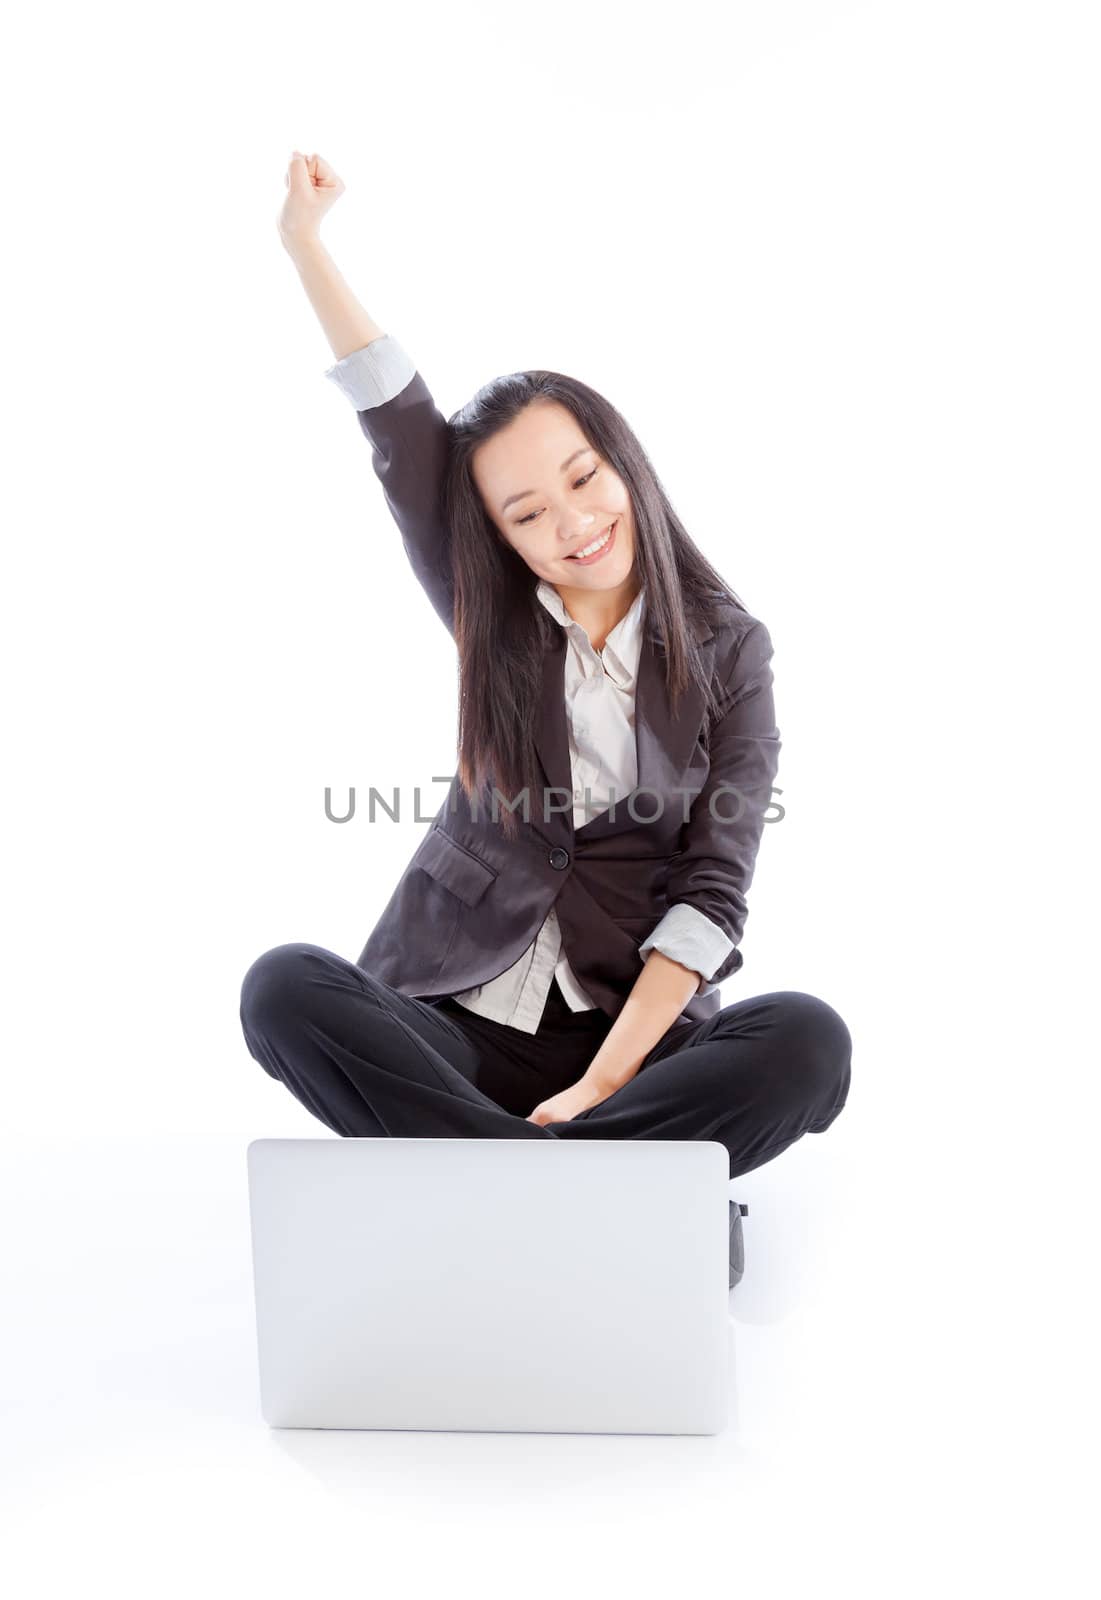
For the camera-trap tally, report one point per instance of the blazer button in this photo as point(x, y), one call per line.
point(559, 858)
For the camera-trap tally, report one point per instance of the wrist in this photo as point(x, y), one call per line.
point(301, 246)
point(606, 1078)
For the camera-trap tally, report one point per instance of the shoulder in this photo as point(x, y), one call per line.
point(742, 642)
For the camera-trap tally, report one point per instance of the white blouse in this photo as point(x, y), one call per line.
point(600, 707)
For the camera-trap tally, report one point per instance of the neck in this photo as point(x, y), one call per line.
point(598, 612)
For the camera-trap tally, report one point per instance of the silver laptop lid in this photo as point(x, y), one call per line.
point(492, 1284)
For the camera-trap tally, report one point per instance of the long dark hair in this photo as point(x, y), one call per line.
point(501, 629)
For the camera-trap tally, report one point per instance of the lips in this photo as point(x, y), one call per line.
point(584, 561)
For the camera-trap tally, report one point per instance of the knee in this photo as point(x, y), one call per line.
point(276, 983)
point(813, 1053)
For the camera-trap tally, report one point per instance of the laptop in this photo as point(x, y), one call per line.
point(478, 1285)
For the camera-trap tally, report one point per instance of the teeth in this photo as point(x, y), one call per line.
point(596, 544)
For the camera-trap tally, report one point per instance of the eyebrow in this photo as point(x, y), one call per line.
point(523, 494)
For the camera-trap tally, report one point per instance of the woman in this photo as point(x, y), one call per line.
point(548, 964)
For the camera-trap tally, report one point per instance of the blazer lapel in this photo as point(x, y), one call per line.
point(552, 739)
point(663, 737)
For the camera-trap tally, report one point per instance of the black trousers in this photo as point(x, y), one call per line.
point(369, 1061)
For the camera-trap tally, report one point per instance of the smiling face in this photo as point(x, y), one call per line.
point(551, 495)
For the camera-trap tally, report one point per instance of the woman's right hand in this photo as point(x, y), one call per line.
point(312, 188)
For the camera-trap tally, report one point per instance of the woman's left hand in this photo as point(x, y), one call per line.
point(567, 1103)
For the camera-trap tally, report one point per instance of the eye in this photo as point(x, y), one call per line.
point(578, 485)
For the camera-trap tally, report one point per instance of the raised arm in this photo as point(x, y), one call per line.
point(395, 409)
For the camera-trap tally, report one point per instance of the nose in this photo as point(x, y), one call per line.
point(572, 528)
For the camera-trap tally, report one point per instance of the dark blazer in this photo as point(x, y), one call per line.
point(469, 903)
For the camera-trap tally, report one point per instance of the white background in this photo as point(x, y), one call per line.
point(837, 264)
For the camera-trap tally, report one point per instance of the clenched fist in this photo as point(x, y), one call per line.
point(312, 187)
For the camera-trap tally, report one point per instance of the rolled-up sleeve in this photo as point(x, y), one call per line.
point(712, 872)
point(373, 374)
point(686, 935)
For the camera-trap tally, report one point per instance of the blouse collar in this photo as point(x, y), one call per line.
point(623, 646)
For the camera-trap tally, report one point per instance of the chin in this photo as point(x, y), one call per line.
point(616, 580)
